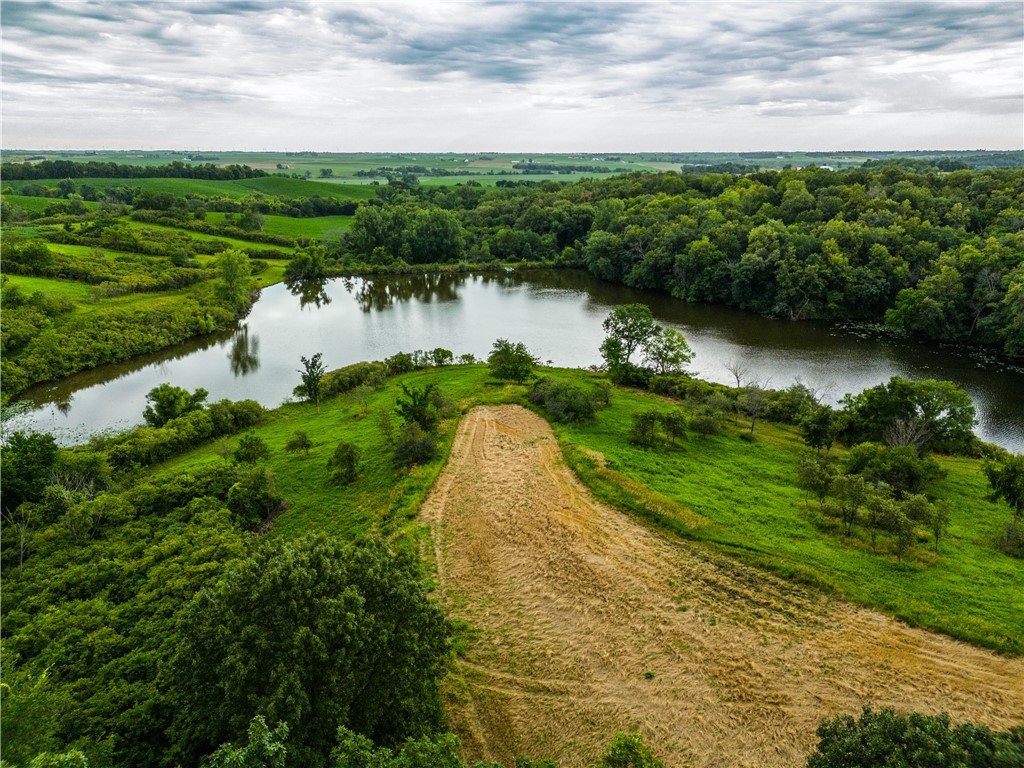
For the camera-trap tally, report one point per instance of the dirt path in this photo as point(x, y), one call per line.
point(575, 604)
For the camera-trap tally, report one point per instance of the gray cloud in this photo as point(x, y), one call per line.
point(522, 64)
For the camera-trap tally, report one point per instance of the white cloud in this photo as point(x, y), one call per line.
point(350, 76)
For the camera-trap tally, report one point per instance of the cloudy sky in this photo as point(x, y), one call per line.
point(513, 76)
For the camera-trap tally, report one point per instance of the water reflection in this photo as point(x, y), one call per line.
point(311, 293)
point(378, 294)
point(245, 350)
point(557, 314)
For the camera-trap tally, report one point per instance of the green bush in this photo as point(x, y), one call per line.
point(250, 449)
point(344, 463)
point(885, 739)
point(706, 423)
point(351, 376)
point(564, 402)
point(414, 446)
point(253, 498)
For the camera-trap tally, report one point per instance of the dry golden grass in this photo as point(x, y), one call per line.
point(575, 604)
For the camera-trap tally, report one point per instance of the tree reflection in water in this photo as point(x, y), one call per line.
point(245, 351)
point(379, 293)
point(310, 292)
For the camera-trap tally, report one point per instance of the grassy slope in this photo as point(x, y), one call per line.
point(383, 497)
point(735, 496)
point(40, 204)
point(316, 227)
point(80, 293)
point(748, 494)
point(230, 241)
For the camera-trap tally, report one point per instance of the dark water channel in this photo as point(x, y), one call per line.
point(557, 314)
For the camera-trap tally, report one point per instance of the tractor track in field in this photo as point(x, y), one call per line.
point(574, 603)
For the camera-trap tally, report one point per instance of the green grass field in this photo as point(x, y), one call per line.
point(383, 497)
point(230, 241)
point(734, 496)
point(82, 294)
point(40, 204)
point(321, 227)
point(70, 289)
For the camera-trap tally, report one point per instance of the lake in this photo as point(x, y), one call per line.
point(556, 313)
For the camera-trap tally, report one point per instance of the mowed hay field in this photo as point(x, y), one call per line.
point(586, 623)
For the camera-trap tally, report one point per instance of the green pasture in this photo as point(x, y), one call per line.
point(70, 289)
point(318, 227)
point(40, 204)
point(734, 496)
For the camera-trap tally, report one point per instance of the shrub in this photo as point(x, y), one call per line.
point(351, 376)
point(253, 498)
point(645, 428)
point(300, 442)
point(416, 406)
point(400, 362)
point(1012, 539)
point(706, 423)
point(886, 740)
point(250, 449)
point(900, 467)
point(629, 375)
point(414, 446)
point(344, 463)
point(168, 402)
point(629, 751)
point(675, 425)
point(564, 402)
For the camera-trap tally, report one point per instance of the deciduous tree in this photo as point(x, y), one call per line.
point(312, 373)
point(234, 277)
point(511, 361)
point(315, 633)
point(168, 402)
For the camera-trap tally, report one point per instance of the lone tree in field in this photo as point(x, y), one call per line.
point(511, 361)
point(233, 273)
point(312, 373)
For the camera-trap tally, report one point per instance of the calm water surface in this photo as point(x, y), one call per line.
point(557, 314)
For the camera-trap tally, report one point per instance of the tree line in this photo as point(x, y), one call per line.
point(70, 169)
point(935, 255)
